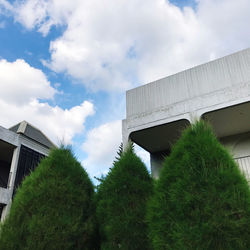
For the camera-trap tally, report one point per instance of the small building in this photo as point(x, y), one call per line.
point(21, 148)
point(217, 91)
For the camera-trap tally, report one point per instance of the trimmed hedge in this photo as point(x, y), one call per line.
point(121, 205)
point(201, 200)
point(53, 208)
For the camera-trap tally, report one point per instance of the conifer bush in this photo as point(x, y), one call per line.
point(201, 200)
point(53, 208)
point(121, 207)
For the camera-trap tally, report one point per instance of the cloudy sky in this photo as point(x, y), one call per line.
point(65, 65)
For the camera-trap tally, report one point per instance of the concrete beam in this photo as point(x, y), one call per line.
point(5, 195)
point(9, 136)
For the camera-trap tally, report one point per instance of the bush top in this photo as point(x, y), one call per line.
point(122, 198)
point(202, 200)
point(53, 207)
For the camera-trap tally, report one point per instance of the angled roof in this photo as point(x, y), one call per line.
point(33, 133)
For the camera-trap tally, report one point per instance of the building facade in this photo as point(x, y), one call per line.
point(217, 91)
point(21, 149)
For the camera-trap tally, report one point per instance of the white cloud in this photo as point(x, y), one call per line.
point(43, 13)
point(111, 43)
point(22, 87)
point(20, 83)
point(5, 7)
point(101, 146)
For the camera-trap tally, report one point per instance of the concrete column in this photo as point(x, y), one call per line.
point(13, 167)
point(5, 212)
point(156, 164)
point(156, 161)
point(11, 182)
point(125, 135)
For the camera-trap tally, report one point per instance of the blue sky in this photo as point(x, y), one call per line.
point(65, 65)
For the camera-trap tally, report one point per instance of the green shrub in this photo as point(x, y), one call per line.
point(53, 208)
point(201, 200)
point(121, 207)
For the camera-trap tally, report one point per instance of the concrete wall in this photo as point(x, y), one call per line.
point(239, 147)
point(200, 87)
point(15, 140)
point(222, 85)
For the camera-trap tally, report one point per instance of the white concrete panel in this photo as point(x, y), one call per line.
point(223, 73)
point(239, 147)
point(244, 164)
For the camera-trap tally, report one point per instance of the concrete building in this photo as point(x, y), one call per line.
point(21, 148)
point(217, 91)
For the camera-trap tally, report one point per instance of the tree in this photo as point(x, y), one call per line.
point(121, 204)
point(53, 208)
point(201, 200)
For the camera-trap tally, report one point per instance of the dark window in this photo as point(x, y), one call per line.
point(1, 210)
point(6, 154)
point(28, 161)
point(4, 173)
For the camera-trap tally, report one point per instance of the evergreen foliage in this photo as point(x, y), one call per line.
point(121, 204)
point(53, 208)
point(201, 200)
point(119, 152)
